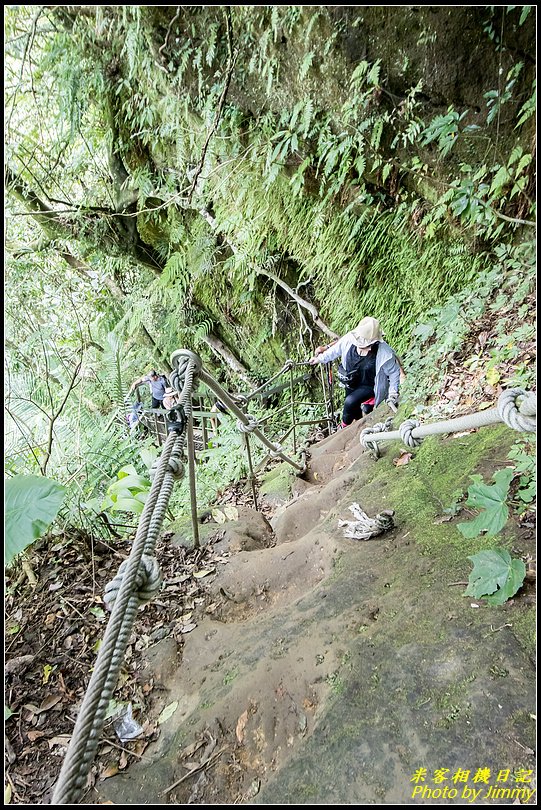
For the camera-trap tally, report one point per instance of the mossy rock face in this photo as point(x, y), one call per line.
point(276, 486)
point(344, 666)
point(182, 529)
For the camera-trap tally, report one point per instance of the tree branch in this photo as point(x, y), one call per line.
point(54, 416)
point(223, 353)
point(231, 59)
point(302, 302)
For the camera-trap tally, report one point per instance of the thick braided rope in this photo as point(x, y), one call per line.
point(518, 415)
point(144, 580)
point(406, 432)
point(230, 403)
point(517, 408)
point(147, 582)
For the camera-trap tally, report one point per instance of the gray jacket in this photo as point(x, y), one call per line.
point(387, 368)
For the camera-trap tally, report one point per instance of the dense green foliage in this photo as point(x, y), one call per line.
point(200, 176)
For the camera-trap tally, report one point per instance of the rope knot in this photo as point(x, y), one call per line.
point(176, 468)
point(247, 428)
point(147, 582)
point(184, 378)
point(405, 431)
point(379, 427)
point(277, 452)
point(518, 416)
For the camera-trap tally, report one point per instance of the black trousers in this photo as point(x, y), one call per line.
point(353, 401)
point(157, 403)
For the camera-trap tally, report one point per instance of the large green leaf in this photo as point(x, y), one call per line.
point(31, 504)
point(495, 576)
point(490, 499)
point(127, 504)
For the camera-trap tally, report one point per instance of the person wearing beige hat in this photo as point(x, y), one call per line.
point(170, 398)
point(369, 369)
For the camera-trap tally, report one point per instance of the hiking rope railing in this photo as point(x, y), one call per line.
point(139, 578)
point(248, 424)
point(155, 420)
point(137, 581)
point(243, 399)
point(516, 408)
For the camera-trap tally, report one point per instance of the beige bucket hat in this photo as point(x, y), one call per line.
point(368, 331)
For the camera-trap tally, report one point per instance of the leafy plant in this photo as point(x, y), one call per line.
point(128, 493)
point(443, 129)
point(31, 504)
point(491, 500)
point(495, 576)
point(496, 99)
point(526, 465)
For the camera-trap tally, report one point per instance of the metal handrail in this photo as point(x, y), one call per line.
point(156, 420)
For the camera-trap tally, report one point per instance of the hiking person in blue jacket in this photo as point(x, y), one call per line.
point(369, 369)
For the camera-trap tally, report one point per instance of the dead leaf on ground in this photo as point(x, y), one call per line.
point(112, 770)
point(15, 665)
point(48, 703)
point(187, 628)
point(167, 712)
point(404, 458)
point(35, 735)
point(241, 723)
point(62, 739)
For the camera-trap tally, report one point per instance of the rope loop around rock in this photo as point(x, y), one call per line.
point(147, 583)
point(518, 409)
point(406, 429)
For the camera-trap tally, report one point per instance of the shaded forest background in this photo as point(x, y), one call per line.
point(247, 182)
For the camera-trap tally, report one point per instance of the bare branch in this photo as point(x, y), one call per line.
point(296, 297)
point(175, 18)
point(27, 49)
point(55, 414)
point(17, 423)
point(231, 59)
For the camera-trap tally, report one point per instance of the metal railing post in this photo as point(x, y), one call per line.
point(191, 477)
point(251, 469)
point(292, 409)
point(329, 418)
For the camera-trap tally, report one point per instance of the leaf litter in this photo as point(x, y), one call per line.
point(52, 634)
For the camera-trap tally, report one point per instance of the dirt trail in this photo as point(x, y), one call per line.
point(333, 669)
